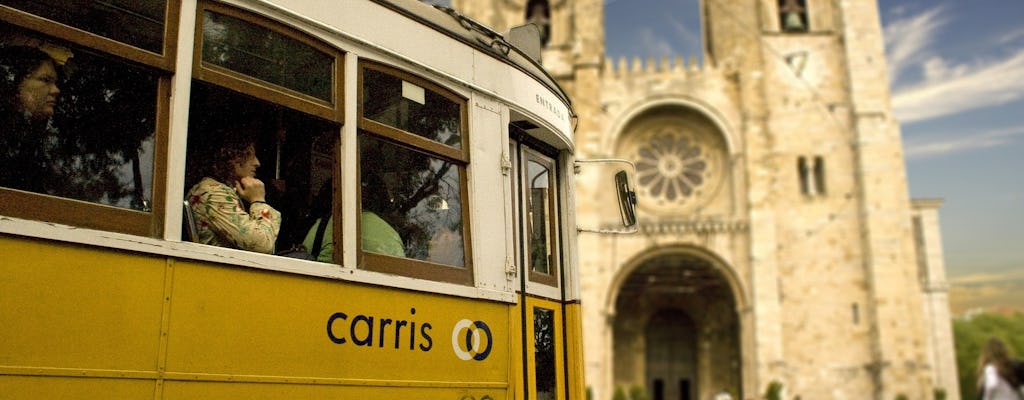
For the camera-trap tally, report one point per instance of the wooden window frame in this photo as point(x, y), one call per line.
point(551, 278)
point(411, 267)
point(333, 111)
point(220, 76)
point(79, 213)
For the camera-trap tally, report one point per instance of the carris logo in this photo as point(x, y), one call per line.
point(466, 338)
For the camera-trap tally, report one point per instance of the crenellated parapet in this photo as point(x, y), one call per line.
point(637, 66)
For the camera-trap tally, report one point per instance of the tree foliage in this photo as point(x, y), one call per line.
point(970, 334)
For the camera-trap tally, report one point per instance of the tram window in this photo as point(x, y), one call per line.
point(279, 87)
point(91, 134)
point(295, 153)
point(265, 59)
point(256, 51)
point(409, 107)
point(418, 196)
point(540, 218)
point(413, 212)
point(137, 23)
point(544, 353)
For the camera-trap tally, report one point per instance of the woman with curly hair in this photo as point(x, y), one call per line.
point(229, 203)
point(996, 378)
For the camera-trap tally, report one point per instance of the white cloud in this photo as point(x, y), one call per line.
point(966, 142)
point(907, 40)
point(950, 90)
point(689, 34)
point(1011, 36)
point(654, 45)
point(944, 87)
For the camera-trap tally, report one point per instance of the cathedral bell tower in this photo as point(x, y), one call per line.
point(778, 242)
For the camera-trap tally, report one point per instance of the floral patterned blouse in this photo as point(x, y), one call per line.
point(222, 219)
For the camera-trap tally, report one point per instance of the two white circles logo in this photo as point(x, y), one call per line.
point(466, 338)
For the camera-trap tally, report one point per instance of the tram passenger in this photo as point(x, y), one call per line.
point(229, 203)
point(319, 240)
point(378, 236)
point(28, 95)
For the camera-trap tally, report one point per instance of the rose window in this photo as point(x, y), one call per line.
point(671, 167)
point(678, 166)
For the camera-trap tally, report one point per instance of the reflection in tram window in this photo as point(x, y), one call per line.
point(544, 352)
point(256, 51)
point(411, 108)
point(419, 196)
point(412, 163)
point(95, 141)
point(138, 23)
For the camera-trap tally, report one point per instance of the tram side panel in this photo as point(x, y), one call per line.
point(78, 322)
point(88, 323)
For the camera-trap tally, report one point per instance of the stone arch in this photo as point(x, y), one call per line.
point(684, 159)
point(678, 361)
point(736, 284)
point(610, 140)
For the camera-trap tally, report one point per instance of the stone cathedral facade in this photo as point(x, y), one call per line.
point(777, 241)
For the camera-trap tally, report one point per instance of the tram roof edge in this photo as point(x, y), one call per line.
point(448, 21)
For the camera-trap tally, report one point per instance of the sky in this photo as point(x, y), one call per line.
point(956, 71)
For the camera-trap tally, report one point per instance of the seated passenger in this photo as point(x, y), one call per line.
point(229, 203)
point(377, 235)
point(28, 94)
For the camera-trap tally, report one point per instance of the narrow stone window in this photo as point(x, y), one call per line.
point(539, 12)
point(793, 15)
point(819, 175)
point(803, 173)
point(855, 308)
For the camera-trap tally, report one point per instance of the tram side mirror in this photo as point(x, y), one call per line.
point(627, 199)
point(606, 201)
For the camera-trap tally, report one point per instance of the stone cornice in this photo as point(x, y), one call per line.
point(699, 226)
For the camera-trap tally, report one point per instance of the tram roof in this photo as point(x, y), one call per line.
point(448, 21)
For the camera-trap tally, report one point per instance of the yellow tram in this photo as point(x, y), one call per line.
point(108, 290)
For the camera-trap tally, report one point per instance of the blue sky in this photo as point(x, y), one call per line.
point(957, 77)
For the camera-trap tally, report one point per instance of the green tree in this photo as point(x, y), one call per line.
point(620, 394)
point(970, 333)
point(637, 392)
point(774, 391)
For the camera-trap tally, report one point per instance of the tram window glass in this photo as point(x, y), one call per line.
point(137, 23)
point(91, 135)
point(274, 57)
point(540, 218)
point(278, 87)
point(411, 108)
point(413, 212)
point(544, 352)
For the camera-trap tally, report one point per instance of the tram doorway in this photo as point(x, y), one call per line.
point(676, 331)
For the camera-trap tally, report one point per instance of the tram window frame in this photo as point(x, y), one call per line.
point(253, 86)
point(405, 266)
point(331, 112)
point(549, 278)
point(525, 149)
point(86, 214)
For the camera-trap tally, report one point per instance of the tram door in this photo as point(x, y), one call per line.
point(540, 271)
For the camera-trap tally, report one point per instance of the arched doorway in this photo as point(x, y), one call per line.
point(676, 330)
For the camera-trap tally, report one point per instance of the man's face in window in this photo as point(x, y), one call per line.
point(38, 93)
